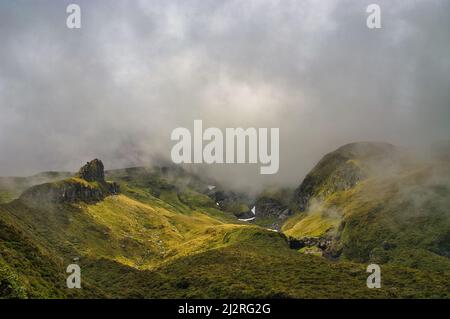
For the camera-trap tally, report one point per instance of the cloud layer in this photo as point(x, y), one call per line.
point(117, 87)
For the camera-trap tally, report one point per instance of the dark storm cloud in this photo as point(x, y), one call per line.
point(117, 87)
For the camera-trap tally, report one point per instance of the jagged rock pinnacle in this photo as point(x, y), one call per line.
point(93, 171)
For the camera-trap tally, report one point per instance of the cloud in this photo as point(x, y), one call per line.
point(116, 88)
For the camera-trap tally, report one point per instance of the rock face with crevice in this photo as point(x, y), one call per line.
point(88, 185)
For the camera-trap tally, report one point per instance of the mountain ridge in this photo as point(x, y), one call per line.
point(164, 234)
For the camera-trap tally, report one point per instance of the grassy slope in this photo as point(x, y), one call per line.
point(29, 268)
point(398, 218)
point(387, 220)
point(313, 224)
point(157, 240)
point(139, 234)
point(258, 264)
point(121, 229)
point(12, 187)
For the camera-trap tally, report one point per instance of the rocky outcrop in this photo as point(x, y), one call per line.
point(322, 243)
point(93, 171)
point(73, 192)
point(89, 185)
point(324, 246)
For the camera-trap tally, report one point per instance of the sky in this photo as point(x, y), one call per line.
point(136, 70)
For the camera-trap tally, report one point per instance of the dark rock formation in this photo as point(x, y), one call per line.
point(322, 243)
point(93, 171)
point(73, 192)
point(328, 246)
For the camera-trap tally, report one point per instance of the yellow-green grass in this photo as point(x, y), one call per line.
point(143, 236)
point(315, 224)
point(125, 230)
point(157, 240)
point(7, 196)
point(258, 264)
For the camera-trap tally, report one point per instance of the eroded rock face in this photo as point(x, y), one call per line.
point(79, 192)
point(93, 171)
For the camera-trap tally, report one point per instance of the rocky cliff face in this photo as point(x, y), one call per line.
point(73, 192)
point(88, 185)
point(93, 171)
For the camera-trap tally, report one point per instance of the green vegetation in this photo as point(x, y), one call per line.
point(314, 224)
point(7, 196)
point(10, 285)
point(162, 236)
point(258, 264)
point(395, 218)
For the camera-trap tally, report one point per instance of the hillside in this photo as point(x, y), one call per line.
point(373, 203)
point(12, 187)
point(161, 232)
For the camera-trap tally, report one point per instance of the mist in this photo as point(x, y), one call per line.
point(136, 70)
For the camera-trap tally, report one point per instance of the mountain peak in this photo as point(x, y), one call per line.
point(93, 171)
point(345, 167)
